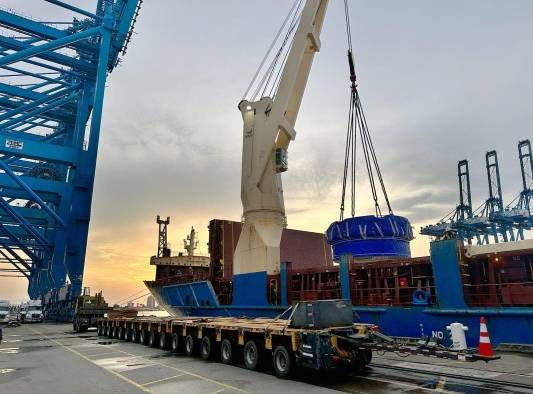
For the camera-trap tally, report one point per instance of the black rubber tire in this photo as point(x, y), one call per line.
point(163, 341)
point(152, 339)
point(367, 357)
point(136, 337)
point(144, 337)
point(206, 348)
point(110, 331)
point(282, 361)
point(116, 332)
point(121, 333)
point(84, 328)
point(226, 351)
point(129, 335)
point(175, 342)
point(189, 345)
point(104, 331)
point(251, 355)
point(99, 330)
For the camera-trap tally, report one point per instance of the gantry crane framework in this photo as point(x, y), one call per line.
point(492, 220)
point(52, 81)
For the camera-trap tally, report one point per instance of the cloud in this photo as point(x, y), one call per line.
point(171, 137)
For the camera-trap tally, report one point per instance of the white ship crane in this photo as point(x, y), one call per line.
point(267, 132)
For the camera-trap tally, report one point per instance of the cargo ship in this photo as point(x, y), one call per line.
point(406, 297)
point(258, 268)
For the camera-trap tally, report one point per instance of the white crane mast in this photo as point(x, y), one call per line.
point(268, 130)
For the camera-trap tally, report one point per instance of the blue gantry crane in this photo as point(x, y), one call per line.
point(52, 83)
point(498, 223)
point(491, 219)
point(461, 221)
point(522, 212)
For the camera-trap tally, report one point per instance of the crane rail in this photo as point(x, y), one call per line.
point(487, 381)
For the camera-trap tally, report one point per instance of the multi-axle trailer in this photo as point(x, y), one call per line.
point(314, 336)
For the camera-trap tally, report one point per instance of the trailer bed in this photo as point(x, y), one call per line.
point(311, 337)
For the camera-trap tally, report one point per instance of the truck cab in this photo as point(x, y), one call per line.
point(4, 311)
point(31, 312)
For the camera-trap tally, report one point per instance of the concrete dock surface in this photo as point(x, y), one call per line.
point(51, 358)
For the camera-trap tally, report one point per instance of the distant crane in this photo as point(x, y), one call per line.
point(460, 222)
point(492, 219)
point(526, 166)
point(494, 203)
point(523, 215)
point(493, 207)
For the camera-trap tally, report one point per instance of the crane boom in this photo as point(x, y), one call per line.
point(267, 131)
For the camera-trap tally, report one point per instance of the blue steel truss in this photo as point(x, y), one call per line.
point(52, 82)
point(491, 219)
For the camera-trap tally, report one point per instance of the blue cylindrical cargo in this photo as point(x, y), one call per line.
point(371, 236)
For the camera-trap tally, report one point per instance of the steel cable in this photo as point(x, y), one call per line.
point(296, 5)
point(357, 124)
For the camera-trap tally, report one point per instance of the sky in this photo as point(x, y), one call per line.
point(440, 82)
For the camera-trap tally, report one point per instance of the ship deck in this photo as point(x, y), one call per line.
point(51, 358)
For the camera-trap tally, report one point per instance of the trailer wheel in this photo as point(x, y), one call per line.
point(175, 342)
point(116, 332)
point(282, 361)
point(152, 339)
point(251, 355)
point(100, 330)
point(163, 341)
point(206, 348)
point(189, 345)
point(144, 337)
point(136, 335)
point(226, 351)
point(367, 357)
point(104, 331)
point(129, 335)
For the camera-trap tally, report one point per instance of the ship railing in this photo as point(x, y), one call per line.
point(393, 296)
point(178, 279)
point(313, 295)
point(517, 294)
point(313, 284)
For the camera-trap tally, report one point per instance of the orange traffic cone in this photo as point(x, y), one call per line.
point(485, 348)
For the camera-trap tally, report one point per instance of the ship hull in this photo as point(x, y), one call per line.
point(506, 325)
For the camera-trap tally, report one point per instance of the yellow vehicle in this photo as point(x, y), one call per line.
point(88, 309)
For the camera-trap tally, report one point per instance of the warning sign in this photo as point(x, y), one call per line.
point(14, 144)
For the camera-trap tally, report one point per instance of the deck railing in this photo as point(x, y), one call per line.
point(499, 294)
